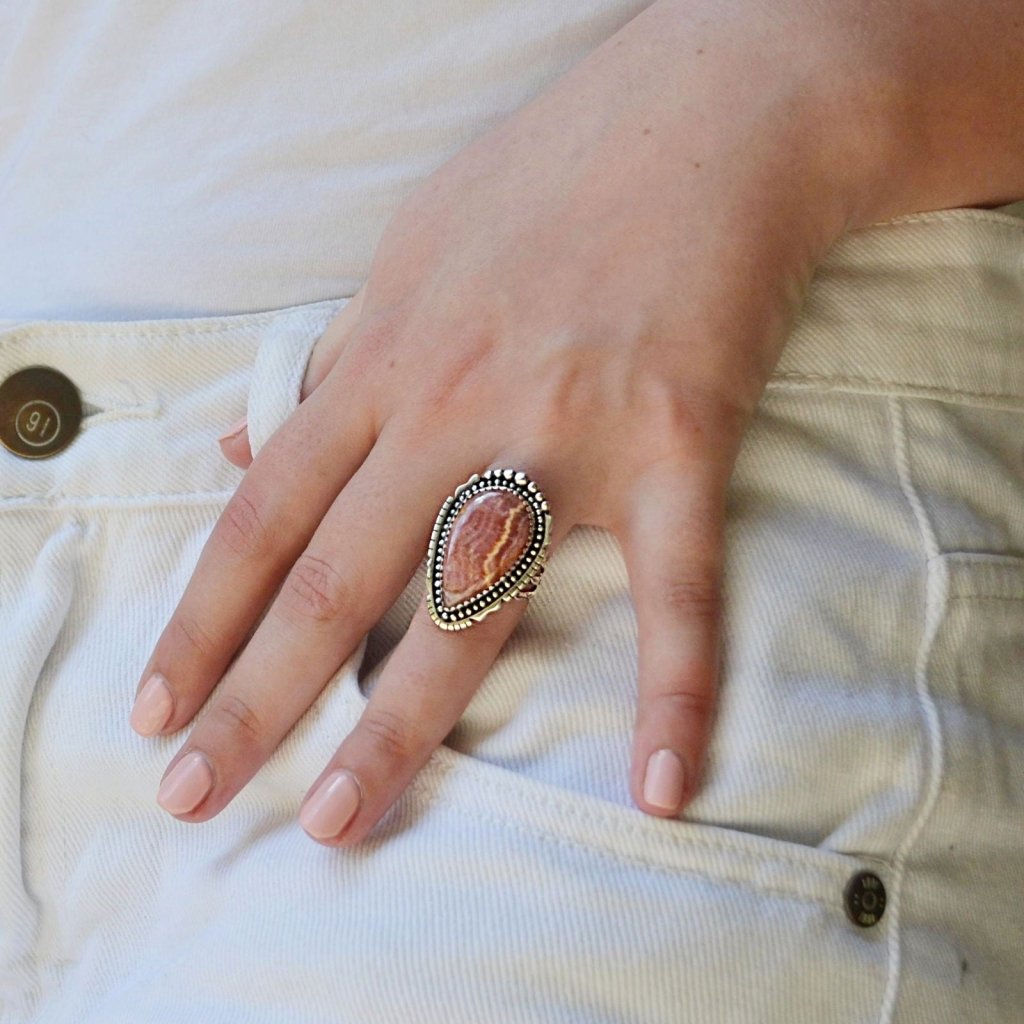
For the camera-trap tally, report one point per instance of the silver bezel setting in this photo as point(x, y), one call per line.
point(519, 581)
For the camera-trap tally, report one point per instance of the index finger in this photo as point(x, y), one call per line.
point(261, 532)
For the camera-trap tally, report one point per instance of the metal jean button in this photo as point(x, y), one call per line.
point(40, 412)
point(864, 898)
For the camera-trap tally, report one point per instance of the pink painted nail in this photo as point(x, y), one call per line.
point(234, 430)
point(663, 784)
point(189, 782)
point(153, 706)
point(332, 806)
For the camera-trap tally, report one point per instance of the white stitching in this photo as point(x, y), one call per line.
point(617, 857)
point(952, 216)
point(901, 387)
point(936, 591)
point(432, 793)
point(114, 502)
point(188, 326)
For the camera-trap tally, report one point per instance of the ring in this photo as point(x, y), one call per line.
point(488, 546)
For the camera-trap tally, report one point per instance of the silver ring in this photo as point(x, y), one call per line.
point(488, 546)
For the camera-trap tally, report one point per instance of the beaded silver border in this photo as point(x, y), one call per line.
point(519, 581)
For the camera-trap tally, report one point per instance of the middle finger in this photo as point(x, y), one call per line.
point(355, 566)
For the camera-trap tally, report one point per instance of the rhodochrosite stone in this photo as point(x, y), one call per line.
point(488, 536)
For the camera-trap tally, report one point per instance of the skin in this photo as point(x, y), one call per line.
point(625, 256)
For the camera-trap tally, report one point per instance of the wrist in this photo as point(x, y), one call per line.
point(812, 106)
point(932, 99)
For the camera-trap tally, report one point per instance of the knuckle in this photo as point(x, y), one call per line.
point(686, 702)
point(240, 718)
point(692, 424)
point(458, 375)
point(696, 597)
point(388, 733)
point(719, 403)
point(316, 591)
point(197, 640)
point(241, 527)
point(569, 400)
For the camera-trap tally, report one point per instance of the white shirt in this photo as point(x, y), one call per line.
point(162, 159)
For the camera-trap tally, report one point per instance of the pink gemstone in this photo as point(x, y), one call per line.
point(488, 536)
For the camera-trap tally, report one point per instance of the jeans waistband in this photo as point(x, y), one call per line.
point(156, 395)
point(928, 305)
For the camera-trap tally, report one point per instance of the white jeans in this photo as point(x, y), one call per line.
point(871, 710)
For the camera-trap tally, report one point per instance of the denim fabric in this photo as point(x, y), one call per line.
point(871, 707)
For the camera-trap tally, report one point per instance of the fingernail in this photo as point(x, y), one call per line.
point(234, 430)
point(663, 783)
point(188, 783)
point(152, 707)
point(331, 807)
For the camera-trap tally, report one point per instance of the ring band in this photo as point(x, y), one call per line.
point(488, 546)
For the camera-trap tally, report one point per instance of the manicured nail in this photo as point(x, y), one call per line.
point(188, 783)
point(234, 430)
point(663, 784)
point(152, 707)
point(331, 807)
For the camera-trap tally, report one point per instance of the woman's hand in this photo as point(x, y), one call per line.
point(596, 292)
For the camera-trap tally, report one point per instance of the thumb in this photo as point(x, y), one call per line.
point(673, 545)
point(234, 442)
point(331, 343)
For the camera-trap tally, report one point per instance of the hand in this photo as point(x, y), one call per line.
point(595, 292)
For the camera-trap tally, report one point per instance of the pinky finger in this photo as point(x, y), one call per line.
point(673, 548)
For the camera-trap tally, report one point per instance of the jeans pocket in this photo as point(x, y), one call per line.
point(531, 893)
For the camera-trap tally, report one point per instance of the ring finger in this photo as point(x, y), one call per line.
point(425, 687)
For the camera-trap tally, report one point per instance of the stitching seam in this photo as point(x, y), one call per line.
point(566, 809)
point(114, 502)
point(446, 761)
point(433, 794)
point(1005, 220)
point(937, 389)
point(936, 590)
point(186, 326)
point(148, 411)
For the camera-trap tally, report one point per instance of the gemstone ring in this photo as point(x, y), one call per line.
point(488, 546)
